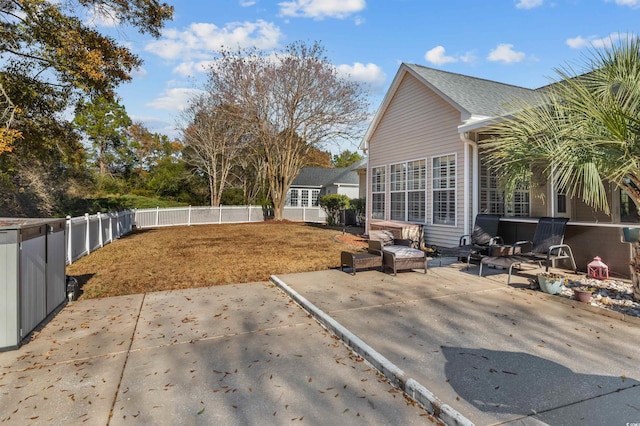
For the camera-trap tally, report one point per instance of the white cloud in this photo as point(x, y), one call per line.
point(247, 3)
point(630, 3)
point(593, 41)
point(370, 74)
point(528, 4)
point(469, 57)
point(102, 16)
point(320, 9)
point(175, 99)
point(191, 68)
point(437, 56)
point(505, 53)
point(199, 40)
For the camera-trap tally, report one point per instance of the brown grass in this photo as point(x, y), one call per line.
point(199, 256)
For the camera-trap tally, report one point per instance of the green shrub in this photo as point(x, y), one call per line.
point(332, 204)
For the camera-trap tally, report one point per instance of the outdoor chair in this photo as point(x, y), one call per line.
point(477, 243)
point(396, 253)
point(547, 246)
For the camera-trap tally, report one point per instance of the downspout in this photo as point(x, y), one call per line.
point(367, 195)
point(470, 205)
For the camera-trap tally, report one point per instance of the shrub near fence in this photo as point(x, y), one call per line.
point(90, 232)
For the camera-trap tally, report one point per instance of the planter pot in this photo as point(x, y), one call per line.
point(550, 286)
point(581, 295)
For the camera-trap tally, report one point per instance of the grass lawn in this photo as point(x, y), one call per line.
point(207, 255)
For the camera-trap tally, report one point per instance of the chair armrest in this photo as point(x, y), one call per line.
point(558, 247)
point(375, 247)
point(402, 242)
point(463, 240)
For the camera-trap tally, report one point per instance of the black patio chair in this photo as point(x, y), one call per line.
point(547, 246)
point(477, 243)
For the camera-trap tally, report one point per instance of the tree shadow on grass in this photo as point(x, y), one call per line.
point(520, 383)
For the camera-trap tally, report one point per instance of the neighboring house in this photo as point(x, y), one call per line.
point(425, 166)
point(313, 182)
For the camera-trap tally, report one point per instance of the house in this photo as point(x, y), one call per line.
point(425, 166)
point(313, 182)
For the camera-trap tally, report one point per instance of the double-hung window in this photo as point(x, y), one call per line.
point(444, 192)
point(314, 197)
point(407, 183)
point(398, 187)
point(416, 187)
point(492, 199)
point(378, 189)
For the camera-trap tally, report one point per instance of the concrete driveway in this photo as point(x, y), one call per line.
point(233, 355)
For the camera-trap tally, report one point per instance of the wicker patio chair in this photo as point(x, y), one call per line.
point(396, 253)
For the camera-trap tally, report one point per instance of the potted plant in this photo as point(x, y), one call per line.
point(583, 293)
point(551, 282)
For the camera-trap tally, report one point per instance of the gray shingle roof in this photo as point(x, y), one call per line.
point(322, 176)
point(476, 95)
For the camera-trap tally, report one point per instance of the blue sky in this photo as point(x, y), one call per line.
point(518, 42)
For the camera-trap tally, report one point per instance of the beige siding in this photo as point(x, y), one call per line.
point(419, 124)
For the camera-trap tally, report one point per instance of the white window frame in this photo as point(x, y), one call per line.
point(378, 191)
point(436, 189)
point(403, 190)
point(495, 202)
point(292, 197)
point(398, 191)
point(304, 198)
point(315, 195)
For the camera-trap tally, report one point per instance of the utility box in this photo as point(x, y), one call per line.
point(32, 275)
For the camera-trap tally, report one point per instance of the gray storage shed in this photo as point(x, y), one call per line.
point(32, 275)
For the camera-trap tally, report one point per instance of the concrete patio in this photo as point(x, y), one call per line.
point(485, 352)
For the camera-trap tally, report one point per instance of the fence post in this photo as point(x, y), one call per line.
point(100, 239)
point(87, 236)
point(69, 246)
point(189, 219)
point(249, 213)
point(219, 214)
point(157, 215)
point(304, 214)
point(110, 216)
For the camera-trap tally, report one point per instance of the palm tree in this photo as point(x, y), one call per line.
point(584, 132)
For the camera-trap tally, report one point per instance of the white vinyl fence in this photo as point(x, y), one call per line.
point(90, 232)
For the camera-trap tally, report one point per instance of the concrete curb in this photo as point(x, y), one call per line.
point(410, 386)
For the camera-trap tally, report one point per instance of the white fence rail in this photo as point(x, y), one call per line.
point(90, 232)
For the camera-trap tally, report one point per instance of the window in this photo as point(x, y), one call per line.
point(314, 197)
point(407, 184)
point(304, 198)
point(561, 202)
point(377, 192)
point(416, 187)
point(398, 185)
point(444, 193)
point(492, 199)
point(293, 198)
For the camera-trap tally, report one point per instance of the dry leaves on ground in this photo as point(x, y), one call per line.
point(198, 256)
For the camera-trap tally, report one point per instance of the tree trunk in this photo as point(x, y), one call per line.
point(635, 269)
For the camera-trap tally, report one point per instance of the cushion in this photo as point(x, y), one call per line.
point(385, 237)
point(403, 252)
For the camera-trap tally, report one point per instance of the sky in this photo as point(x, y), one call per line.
point(519, 42)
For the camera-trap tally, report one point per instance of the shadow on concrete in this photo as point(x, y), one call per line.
point(520, 383)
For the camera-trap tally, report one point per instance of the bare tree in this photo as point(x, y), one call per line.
point(213, 138)
point(292, 102)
